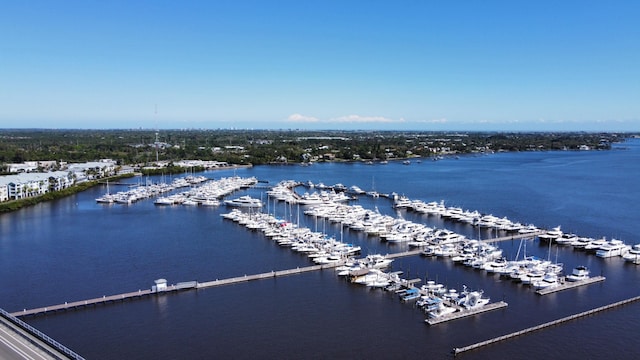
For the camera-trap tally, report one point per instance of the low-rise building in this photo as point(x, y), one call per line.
point(28, 183)
point(93, 169)
point(13, 187)
point(32, 166)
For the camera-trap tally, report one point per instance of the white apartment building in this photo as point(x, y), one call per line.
point(33, 184)
point(28, 184)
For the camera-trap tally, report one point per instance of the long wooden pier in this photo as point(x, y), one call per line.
point(186, 286)
point(457, 351)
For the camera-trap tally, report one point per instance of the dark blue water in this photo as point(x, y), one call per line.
point(72, 249)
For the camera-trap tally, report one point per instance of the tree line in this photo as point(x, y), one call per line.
point(272, 146)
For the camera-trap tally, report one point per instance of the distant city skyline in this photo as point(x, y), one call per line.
point(321, 65)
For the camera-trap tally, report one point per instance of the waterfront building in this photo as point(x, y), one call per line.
point(33, 184)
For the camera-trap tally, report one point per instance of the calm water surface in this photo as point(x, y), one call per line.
point(74, 249)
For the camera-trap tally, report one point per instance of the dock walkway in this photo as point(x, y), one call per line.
point(299, 270)
point(268, 275)
point(186, 286)
point(514, 237)
point(403, 254)
point(570, 285)
point(466, 313)
point(457, 351)
point(85, 303)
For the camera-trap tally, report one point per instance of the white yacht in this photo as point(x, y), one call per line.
point(532, 276)
point(495, 266)
point(106, 199)
point(244, 201)
point(633, 255)
point(310, 199)
point(612, 248)
point(551, 235)
point(373, 194)
point(164, 201)
point(210, 202)
point(401, 202)
point(566, 239)
point(548, 281)
point(190, 202)
point(578, 273)
point(581, 242)
point(377, 261)
point(528, 229)
point(594, 245)
point(439, 310)
point(472, 299)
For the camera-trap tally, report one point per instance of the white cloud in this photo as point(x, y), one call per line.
point(347, 119)
point(301, 118)
point(434, 121)
point(364, 119)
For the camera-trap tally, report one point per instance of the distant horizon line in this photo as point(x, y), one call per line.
point(317, 130)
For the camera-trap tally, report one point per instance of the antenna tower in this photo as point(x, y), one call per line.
point(157, 130)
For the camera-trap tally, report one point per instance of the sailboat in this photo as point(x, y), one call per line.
point(373, 193)
point(106, 198)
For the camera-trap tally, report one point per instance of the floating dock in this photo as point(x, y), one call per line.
point(570, 285)
point(457, 351)
point(466, 313)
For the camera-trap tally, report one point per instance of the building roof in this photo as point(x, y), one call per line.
point(29, 177)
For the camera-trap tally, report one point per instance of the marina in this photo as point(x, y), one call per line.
point(197, 243)
point(302, 239)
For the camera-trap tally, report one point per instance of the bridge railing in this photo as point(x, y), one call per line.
point(41, 336)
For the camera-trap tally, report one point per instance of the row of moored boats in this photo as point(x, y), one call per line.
point(600, 247)
point(148, 190)
point(209, 193)
point(434, 299)
point(315, 245)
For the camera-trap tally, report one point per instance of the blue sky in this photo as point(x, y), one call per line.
point(415, 65)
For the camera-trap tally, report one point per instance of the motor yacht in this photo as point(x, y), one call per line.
point(244, 201)
point(633, 255)
point(612, 248)
point(578, 273)
point(548, 281)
